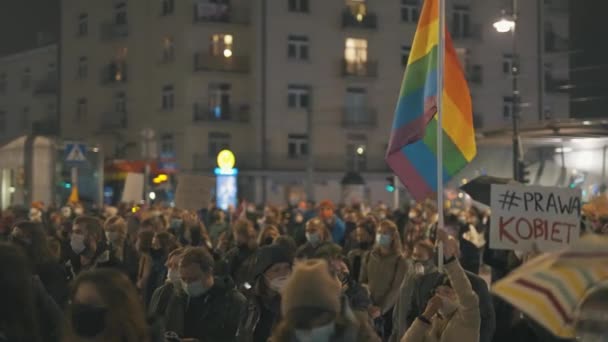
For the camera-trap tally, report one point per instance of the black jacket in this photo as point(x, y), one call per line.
point(55, 280)
point(160, 300)
point(259, 318)
point(218, 319)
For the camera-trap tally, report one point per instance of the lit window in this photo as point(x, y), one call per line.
point(298, 96)
point(355, 50)
point(221, 45)
point(297, 47)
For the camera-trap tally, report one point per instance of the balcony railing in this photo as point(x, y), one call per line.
point(111, 31)
point(114, 73)
point(203, 112)
point(219, 13)
point(207, 62)
point(362, 21)
point(359, 117)
point(46, 87)
point(112, 120)
point(359, 69)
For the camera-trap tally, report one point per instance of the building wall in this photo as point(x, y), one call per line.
point(32, 107)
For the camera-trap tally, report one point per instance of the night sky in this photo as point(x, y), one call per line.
point(21, 20)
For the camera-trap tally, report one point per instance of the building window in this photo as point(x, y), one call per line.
point(168, 7)
point(51, 110)
point(3, 82)
point(168, 97)
point(25, 118)
point(297, 145)
point(461, 22)
point(405, 54)
point(219, 100)
point(410, 11)
point(218, 141)
point(2, 121)
point(356, 152)
point(81, 109)
point(168, 50)
point(212, 10)
point(83, 68)
point(167, 144)
point(298, 96)
point(83, 24)
point(26, 78)
point(507, 106)
point(507, 63)
point(221, 45)
point(120, 102)
point(297, 47)
point(120, 13)
point(298, 6)
point(355, 55)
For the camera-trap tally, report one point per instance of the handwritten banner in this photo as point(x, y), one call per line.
point(528, 216)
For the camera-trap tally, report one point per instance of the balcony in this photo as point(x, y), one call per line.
point(555, 44)
point(207, 62)
point(219, 13)
point(111, 121)
point(46, 87)
point(359, 69)
point(350, 19)
point(114, 73)
point(359, 117)
point(112, 31)
point(203, 112)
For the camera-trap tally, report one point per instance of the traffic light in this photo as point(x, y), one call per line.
point(390, 184)
point(523, 174)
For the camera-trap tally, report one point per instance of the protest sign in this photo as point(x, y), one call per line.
point(134, 188)
point(193, 192)
point(528, 216)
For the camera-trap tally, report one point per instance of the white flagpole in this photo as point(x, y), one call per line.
point(440, 78)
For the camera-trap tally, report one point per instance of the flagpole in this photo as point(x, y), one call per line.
point(440, 81)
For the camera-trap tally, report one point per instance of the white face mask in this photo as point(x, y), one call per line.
point(66, 212)
point(77, 243)
point(278, 283)
point(448, 307)
point(173, 276)
point(318, 334)
point(78, 211)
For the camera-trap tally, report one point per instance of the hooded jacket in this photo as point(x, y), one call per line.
point(462, 325)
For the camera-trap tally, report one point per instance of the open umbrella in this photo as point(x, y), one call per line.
point(550, 288)
point(480, 188)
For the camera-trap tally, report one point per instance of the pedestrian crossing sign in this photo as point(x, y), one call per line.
point(75, 153)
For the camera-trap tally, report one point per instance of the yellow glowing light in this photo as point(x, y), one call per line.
point(226, 160)
point(227, 53)
point(359, 17)
point(228, 39)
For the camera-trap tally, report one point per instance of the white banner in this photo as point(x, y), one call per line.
point(528, 216)
point(193, 192)
point(134, 188)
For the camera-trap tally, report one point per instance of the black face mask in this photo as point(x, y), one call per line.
point(195, 237)
point(88, 320)
point(267, 241)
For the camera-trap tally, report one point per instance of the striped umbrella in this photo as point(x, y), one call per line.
point(550, 287)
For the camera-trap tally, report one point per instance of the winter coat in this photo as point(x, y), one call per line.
point(239, 265)
point(219, 319)
point(259, 312)
point(50, 317)
point(55, 280)
point(422, 293)
point(383, 275)
point(160, 300)
point(337, 228)
point(462, 325)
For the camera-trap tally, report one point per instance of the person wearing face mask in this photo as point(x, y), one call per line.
point(363, 241)
point(452, 313)
point(314, 309)
point(239, 261)
point(104, 306)
point(383, 270)
point(121, 249)
point(334, 224)
point(422, 263)
point(173, 283)
point(317, 236)
point(263, 309)
point(208, 308)
point(268, 235)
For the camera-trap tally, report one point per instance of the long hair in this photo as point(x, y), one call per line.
point(395, 247)
point(125, 319)
point(38, 251)
point(17, 311)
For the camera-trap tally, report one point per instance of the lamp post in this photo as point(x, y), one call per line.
point(504, 25)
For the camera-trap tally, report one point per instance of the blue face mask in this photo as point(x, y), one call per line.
point(313, 238)
point(384, 240)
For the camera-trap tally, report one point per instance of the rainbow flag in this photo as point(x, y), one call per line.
point(412, 148)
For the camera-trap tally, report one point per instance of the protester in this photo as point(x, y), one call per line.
point(383, 270)
point(218, 226)
point(120, 247)
point(89, 250)
point(317, 235)
point(105, 307)
point(31, 237)
point(364, 237)
point(240, 260)
point(144, 249)
point(263, 310)
point(313, 310)
point(18, 311)
point(452, 313)
point(209, 308)
point(160, 297)
point(334, 224)
point(296, 228)
point(267, 235)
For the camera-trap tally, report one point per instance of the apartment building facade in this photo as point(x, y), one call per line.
point(277, 81)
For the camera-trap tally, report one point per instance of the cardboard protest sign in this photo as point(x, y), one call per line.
point(193, 191)
point(527, 216)
point(134, 188)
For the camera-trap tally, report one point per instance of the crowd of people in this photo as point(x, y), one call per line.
point(302, 273)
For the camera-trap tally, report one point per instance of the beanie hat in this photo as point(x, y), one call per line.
point(271, 255)
point(311, 286)
point(328, 251)
point(327, 204)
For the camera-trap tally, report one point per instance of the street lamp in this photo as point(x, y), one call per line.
point(504, 25)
